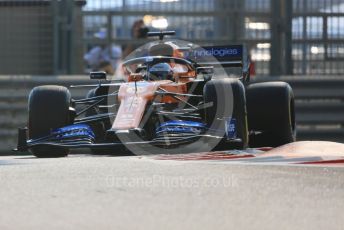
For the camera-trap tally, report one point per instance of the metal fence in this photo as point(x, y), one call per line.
point(318, 37)
point(205, 22)
point(40, 37)
point(283, 36)
point(26, 38)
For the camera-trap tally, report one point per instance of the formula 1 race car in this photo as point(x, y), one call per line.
point(175, 98)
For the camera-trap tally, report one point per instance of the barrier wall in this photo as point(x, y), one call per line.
point(319, 104)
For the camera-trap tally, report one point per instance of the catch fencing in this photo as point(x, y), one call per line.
point(50, 37)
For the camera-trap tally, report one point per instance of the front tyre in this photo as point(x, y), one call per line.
point(48, 109)
point(228, 99)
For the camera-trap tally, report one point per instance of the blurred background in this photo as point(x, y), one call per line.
point(60, 41)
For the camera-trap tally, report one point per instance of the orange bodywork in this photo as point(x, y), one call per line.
point(134, 99)
point(174, 88)
point(133, 104)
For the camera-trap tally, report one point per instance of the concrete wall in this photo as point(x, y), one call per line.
point(319, 104)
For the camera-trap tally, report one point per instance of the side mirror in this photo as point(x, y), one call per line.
point(207, 72)
point(101, 75)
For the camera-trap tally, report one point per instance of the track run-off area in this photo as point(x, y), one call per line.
point(297, 186)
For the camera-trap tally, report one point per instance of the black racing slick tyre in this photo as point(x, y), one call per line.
point(271, 114)
point(227, 97)
point(48, 109)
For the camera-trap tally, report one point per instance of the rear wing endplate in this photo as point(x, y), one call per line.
point(226, 56)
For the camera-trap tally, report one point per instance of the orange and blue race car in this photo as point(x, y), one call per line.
point(176, 97)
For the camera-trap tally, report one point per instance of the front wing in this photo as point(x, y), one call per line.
point(81, 136)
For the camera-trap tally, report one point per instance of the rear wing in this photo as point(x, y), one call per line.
point(226, 56)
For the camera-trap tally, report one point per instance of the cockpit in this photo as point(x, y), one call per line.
point(160, 71)
point(154, 68)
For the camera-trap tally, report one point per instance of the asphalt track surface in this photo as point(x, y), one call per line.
point(155, 192)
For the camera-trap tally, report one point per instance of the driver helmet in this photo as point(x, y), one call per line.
point(161, 71)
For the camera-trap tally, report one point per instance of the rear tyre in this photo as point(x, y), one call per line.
point(271, 114)
point(228, 99)
point(48, 109)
